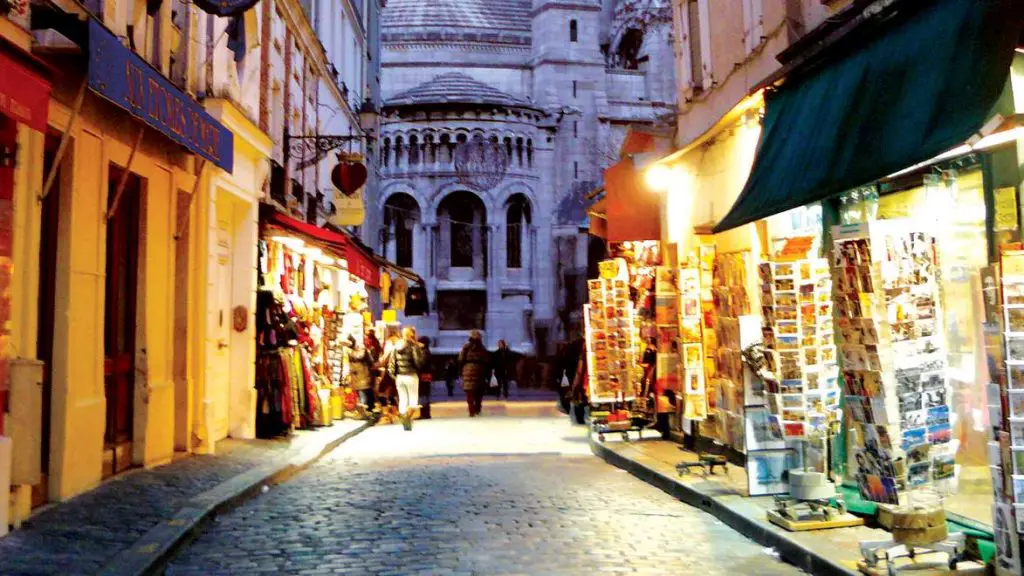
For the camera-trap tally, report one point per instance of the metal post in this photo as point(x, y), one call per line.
point(124, 176)
point(59, 156)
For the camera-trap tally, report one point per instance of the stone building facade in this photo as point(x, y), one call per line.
point(499, 117)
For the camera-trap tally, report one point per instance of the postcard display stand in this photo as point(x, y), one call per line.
point(608, 322)
point(886, 300)
point(1006, 409)
point(796, 307)
point(726, 389)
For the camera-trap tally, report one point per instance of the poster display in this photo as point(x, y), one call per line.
point(669, 376)
point(797, 330)
point(888, 323)
point(608, 323)
point(691, 345)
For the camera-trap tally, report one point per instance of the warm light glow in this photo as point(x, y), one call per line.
point(658, 177)
point(289, 241)
point(990, 141)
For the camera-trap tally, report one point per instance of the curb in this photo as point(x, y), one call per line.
point(811, 560)
point(150, 554)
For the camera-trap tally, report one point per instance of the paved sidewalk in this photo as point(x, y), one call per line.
point(724, 495)
point(129, 523)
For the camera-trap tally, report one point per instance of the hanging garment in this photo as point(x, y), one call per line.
point(385, 287)
point(416, 303)
point(398, 292)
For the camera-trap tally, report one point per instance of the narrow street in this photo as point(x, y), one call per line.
point(513, 494)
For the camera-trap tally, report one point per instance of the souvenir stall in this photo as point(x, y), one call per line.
point(625, 349)
point(308, 304)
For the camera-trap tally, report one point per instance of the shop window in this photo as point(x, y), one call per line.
point(461, 309)
point(573, 31)
point(695, 44)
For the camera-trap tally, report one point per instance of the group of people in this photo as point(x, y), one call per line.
point(396, 374)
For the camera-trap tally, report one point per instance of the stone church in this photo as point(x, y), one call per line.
point(498, 119)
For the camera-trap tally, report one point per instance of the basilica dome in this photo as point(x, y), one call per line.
point(455, 88)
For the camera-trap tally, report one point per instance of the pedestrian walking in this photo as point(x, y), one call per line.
point(474, 364)
point(451, 369)
point(386, 391)
point(426, 375)
point(360, 364)
point(405, 361)
point(502, 357)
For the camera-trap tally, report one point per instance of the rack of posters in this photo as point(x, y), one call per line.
point(691, 344)
point(608, 323)
point(731, 302)
point(796, 311)
point(888, 319)
point(666, 327)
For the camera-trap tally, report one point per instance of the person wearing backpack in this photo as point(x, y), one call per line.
point(404, 365)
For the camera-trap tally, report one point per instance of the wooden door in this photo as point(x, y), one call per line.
point(220, 357)
point(119, 329)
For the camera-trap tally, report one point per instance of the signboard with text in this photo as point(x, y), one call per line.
point(119, 75)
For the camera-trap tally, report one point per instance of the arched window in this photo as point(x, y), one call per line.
point(429, 149)
point(629, 49)
point(414, 150)
point(399, 150)
point(463, 213)
point(519, 151)
point(508, 148)
point(401, 213)
point(529, 153)
point(517, 224)
point(573, 32)
point(446, 148)
point(385, 152)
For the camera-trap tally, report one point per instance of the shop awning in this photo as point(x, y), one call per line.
point(24, 86)
point(396, 270)
point(633, 212)
point(361, 264)
point(917, 85)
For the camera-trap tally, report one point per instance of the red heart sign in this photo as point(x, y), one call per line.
point(349, 177)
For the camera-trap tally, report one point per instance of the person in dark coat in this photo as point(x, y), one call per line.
point(360, 364)
point(504, 362)
point(426, 378)
point(451, 372)
point(474, 363)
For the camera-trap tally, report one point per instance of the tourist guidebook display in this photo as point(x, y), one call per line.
point(891, 349)
point(608, 320)
point(796, 311)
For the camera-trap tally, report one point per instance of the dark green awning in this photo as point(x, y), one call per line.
point(917, 86)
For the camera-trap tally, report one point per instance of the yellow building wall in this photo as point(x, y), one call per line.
point(103, 135)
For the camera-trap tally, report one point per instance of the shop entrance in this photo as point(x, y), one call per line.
point(49, 222)
point(120, 321)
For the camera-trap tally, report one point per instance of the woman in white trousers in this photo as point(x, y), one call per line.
point(405, 363)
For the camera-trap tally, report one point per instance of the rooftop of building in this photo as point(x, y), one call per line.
point(456, 88)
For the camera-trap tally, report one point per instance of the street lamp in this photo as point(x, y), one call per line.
point(368, 118)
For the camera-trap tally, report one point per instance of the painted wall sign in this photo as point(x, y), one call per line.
point(128, 81)
point(225, 7)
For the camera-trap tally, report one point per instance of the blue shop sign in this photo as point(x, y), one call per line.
point(127, 80)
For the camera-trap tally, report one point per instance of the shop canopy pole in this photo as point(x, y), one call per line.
point(124, 175)
point(64, 139)
point(191, 198)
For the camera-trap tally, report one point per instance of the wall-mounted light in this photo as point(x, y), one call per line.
point(658, 177)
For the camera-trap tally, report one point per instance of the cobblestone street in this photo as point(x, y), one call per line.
point(508, 495)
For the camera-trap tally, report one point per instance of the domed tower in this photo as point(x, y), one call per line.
point(460, 199)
